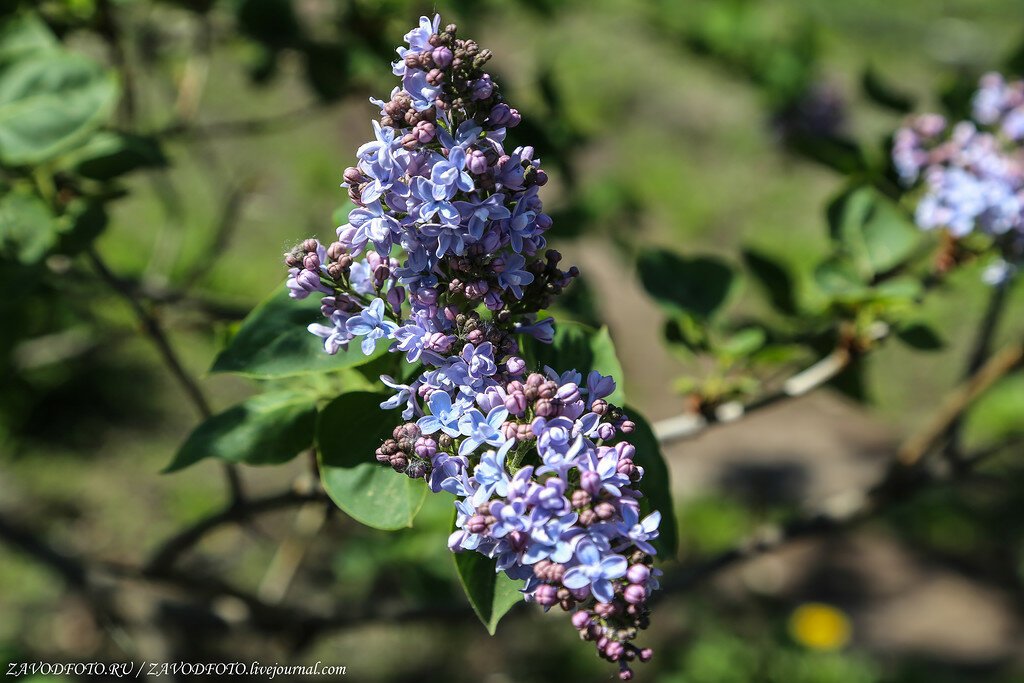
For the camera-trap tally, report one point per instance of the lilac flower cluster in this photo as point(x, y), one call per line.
point(443, 260)
point(972, 171)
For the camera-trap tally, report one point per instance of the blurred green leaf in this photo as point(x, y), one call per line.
point(109, 154)
point(22, 35)
point(349, 430)
point(871, 230)
point(656, 484)
point(837, 276)
point(775, 278)
point(273, 342)
point(28, 227)
point(578, 347)
point(491, 594)
point(884, 93)
point(698, 286)
point(267, 429)
point(50, 103)
point(743, 343)
point(919, 336)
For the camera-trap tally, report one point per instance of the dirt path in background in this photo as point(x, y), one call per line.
point(802, 452)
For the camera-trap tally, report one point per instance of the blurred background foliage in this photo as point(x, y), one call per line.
point(167, 152)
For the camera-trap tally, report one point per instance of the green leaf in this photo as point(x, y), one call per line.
point(920, 336)
point(349, 430)
point(51, 103)
point(578, 347)
point(23, 35)
point(28, 229)
point(267, 429)
point(743, 343)
point(872, 230)
point(491, 594)
point(273, 342)
point(699, 286)
point(775, 278)
point(656, 484)
point(838, 277)
point(109, 154)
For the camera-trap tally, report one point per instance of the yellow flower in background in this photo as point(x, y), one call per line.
point(819, 626)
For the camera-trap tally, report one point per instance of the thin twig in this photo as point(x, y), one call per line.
point(689, 425)
point(979, 352)
point(957, 402)
point(156, 333)
point(167, 553)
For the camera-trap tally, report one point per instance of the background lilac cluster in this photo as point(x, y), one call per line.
point(972, 171)
point(443, 260)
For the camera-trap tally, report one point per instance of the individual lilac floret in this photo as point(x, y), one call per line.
point(595, 571)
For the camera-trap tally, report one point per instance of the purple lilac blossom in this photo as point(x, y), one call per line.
point(444, 220)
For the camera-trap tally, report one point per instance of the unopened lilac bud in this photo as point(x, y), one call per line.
point(604, 510)
point(646, 654)
point(396, 297)
point(540, 178)
point(353, 176)
point(581, 619)
point(614, 650)
point(545, 595)
point(638, 573)
point(442, 57)
point(625, 467)
point(543, 221)
point(426, 447)
point(557, 572)
point(590, 482)
point(604, 609)
point(311, 261)
point(627, 426)
point(634, 594)
point(580, 499)
point(587, 517)
point(310, 245)
point(515, 403)
point(515, 365)
point(540, 569)
point(476, 162)
point(476, 337)
point(409, 142)
point(523, 432)
point(381, 273)
point(336, 250)
point(605, 431)
point(477, 524)
point(545, 407)
point(510, 430)
point(444, 441)
point(424, 132)
point(547, 390)
point(440, 342)
point(399, 461)
point(569, 392)
point(435, 77)
point(625, 674)
point(382, 457)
